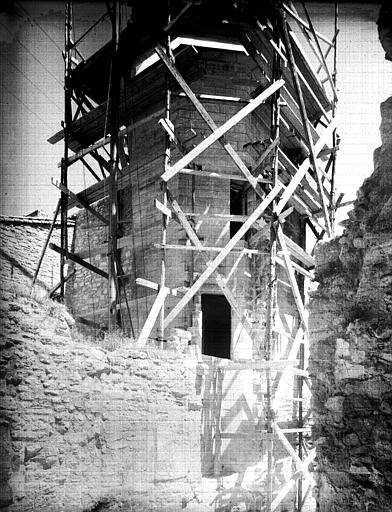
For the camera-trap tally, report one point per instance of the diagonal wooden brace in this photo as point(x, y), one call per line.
point(301, 465)
point(222, 255)
point(293, 281)
point(152, 316)
point(303, 168)
point(82, 202)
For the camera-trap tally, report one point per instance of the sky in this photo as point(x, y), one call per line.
point(32, 99)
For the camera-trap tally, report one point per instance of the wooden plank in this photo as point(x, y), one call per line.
point(167, 125)
point(162, 208)
point(316, 97)
point(303, 168)
point(206, 116)
point(305, 25)
point(222, 255)
point(290, 113)
point(46, 243)
point(299, 253)
point(301, 201)
point(240, 435)
point(296, 267)
point(207, 249)
point(294, 455)
point(147, 283)
point(235, 265)
point(83, 203)
point(309, 183)
point(99, 190)
point(293, 281)
point(222, 176)
point(257, 365)
point(321, 55)
point(222, 130)
point(155, 286)
point(284, 491)
point(287, 487)
point(294, 430)
point(78, 260)
point(152, 316)
point(264, 155)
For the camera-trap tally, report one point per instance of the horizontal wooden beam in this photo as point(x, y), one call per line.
point(222, 176)
point(155, 286)
point(258, 365)
point(207, 249)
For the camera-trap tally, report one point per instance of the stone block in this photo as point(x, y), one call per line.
point(342, 348)
point(345, 370)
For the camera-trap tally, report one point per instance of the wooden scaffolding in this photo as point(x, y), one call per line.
point(302, 103)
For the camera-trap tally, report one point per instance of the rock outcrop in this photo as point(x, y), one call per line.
point(351, 349)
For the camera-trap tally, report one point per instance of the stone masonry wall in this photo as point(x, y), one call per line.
point(351, 349)
point(82, 426)
point(218, 73)
point(21, 242)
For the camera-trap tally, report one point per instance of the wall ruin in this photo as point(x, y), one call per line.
point(351, 354)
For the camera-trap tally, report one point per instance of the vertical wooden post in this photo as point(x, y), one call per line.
point(113, 294)
point(335, 137)
point(272, 298)
point(165, 218)
point(64, 160)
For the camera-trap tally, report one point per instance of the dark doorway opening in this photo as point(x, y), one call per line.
point(237, 204)
point(216, 326)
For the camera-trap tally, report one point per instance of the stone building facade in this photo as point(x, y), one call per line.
point(207, 202)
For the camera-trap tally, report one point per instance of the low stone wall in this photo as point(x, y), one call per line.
point(82, 426)
point(351, 349)
point(21, 242)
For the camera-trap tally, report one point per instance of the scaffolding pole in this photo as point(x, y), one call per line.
point(272, 298)
point(167, 160)
point(66, 125)
point(113, 285)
